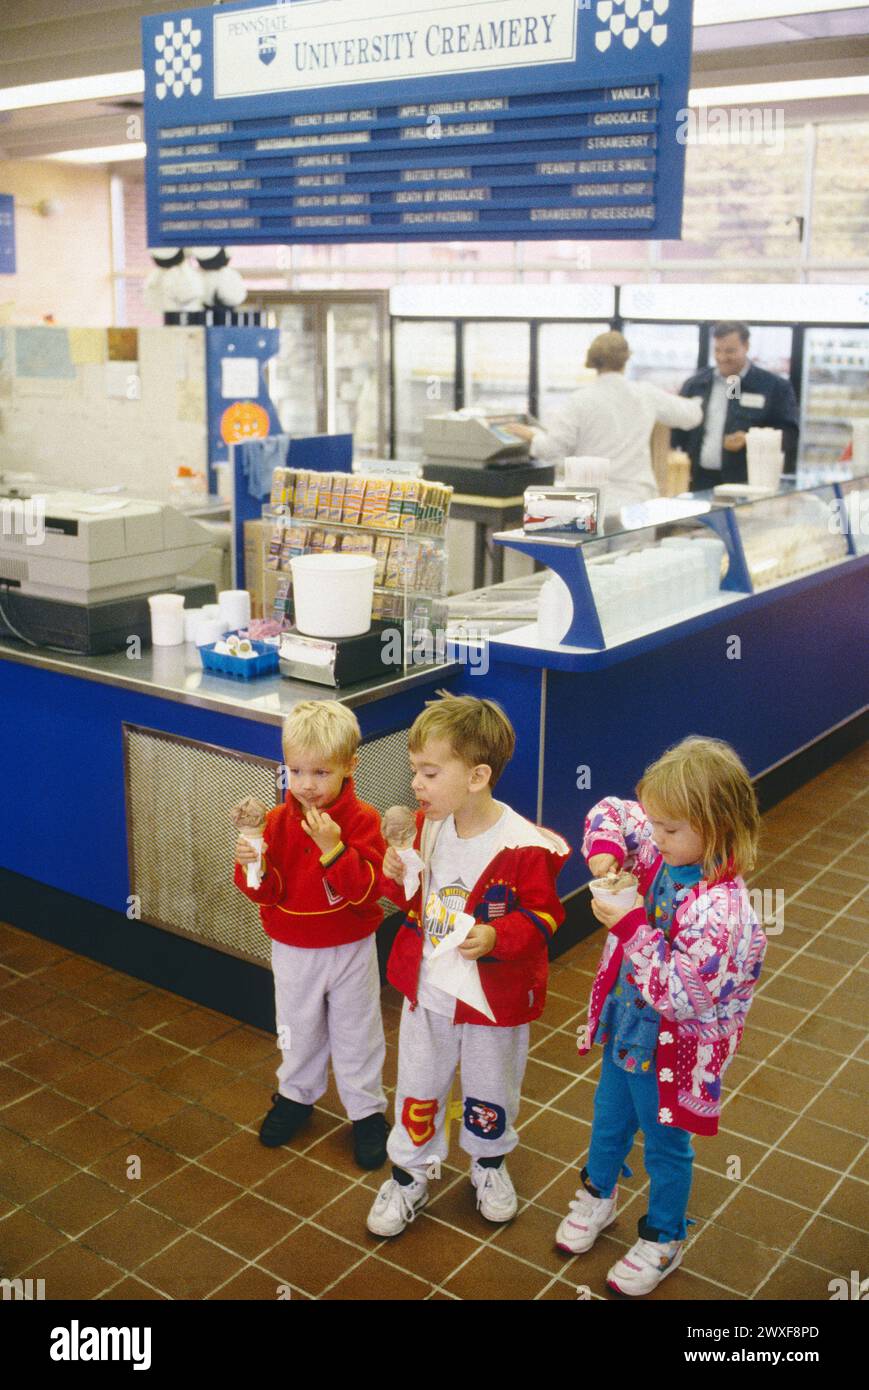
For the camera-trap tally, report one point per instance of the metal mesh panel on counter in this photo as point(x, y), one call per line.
point(383, 776)
point(181, 840)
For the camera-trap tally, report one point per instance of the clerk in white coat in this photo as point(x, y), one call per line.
point(613, 418)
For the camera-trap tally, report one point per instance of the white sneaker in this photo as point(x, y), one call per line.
point(588, 1216)
point(396, 1206)
point(644, 1266)
point(496, 1195)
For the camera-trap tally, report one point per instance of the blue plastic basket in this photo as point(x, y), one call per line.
point(265, 663)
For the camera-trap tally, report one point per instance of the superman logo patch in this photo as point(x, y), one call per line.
point(418, 1118)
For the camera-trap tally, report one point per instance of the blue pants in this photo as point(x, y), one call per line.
point(625, 1102)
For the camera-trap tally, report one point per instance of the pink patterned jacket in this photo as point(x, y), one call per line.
point(700, 978)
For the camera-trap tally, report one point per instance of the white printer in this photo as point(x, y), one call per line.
point(82, 548)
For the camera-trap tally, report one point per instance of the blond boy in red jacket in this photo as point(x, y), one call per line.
point(318, 902)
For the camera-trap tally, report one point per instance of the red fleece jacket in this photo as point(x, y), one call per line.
point(311, 899)
point(515, 894)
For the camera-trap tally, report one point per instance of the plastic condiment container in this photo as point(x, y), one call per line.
point(333, 594)
point(167, 619)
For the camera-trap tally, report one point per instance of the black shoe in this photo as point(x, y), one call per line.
point(369, 1140)
point(283, 1121)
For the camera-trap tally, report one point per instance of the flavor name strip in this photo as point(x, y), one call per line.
point(347, 172)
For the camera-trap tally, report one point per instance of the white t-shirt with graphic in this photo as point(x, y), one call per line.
point(456, 865)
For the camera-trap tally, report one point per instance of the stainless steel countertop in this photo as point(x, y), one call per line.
point(175, 673)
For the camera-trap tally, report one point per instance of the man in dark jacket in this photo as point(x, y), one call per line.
point(736, 396)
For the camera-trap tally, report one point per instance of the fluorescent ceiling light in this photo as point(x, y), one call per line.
point(741, 11)
point(102, 154)
point(771, 93)
point(109, 84)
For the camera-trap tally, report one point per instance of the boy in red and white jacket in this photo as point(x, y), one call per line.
point(318, 901)
point(482, 860)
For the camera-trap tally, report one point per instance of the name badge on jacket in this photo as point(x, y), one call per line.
point(751, 401)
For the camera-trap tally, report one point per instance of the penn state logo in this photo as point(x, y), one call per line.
point(268, 48)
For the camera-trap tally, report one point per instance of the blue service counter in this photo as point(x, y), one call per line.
point(119, 774)
point(69, 784)
point(599, 718)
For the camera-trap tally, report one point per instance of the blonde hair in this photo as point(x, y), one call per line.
point(324, 727)
point(608, 352)
point(704, 782)
point(478, 731)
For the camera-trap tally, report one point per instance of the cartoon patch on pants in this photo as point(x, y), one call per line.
point(485, 1120)
point(418, 1118)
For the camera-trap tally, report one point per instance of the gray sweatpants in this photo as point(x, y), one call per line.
point(327, 1000)
point(492, 1061)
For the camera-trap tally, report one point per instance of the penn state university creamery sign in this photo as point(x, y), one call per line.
point(392, 120)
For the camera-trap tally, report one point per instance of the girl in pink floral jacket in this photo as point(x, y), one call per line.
point(671, 993)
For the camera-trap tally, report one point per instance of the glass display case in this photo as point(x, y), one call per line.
point(330, 372)
point(663, 353)
point(682, 560)
point(424, 378)
point(785, 537)
point(835, 392)
point(497, 357)
point(562, 350)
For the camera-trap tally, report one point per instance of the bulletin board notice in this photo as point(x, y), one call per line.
point(7, 234)
point(347, 120)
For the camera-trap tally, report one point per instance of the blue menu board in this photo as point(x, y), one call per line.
point(7, 234)
point(343, 120)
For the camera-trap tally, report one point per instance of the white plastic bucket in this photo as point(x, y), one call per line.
point(333, 594)
point(167, 619)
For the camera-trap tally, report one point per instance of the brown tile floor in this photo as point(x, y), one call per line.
point(130, 1167)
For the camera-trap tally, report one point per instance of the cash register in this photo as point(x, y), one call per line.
point(76, 568)
point(474, 452)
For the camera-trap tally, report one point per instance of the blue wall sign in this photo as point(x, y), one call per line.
point(320, 121)
point(7, 234)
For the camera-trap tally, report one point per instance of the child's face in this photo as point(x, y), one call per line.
point(442, 782)
point(678, 842)
point(313, 779)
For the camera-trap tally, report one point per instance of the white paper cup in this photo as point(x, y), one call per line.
point(234, 605)
point(192, 619)
point(209, 630)
point(167, 619)
point(624, 898)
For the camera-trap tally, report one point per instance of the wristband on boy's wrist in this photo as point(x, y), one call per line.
point(330, 855)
